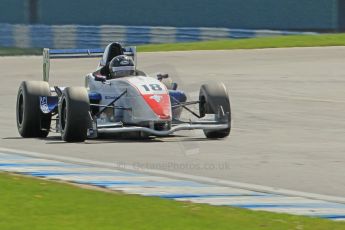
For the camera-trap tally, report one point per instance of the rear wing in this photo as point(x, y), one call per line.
point(49, 54)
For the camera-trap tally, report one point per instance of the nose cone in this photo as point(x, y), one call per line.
point(160, 105)
point(155, 94)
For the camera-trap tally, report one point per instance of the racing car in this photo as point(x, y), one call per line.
point(117, 99)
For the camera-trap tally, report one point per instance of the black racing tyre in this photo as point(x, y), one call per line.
point(213, 97)
point(74, 117)
point(31, 122)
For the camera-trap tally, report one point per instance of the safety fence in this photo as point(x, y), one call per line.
point(78, 36)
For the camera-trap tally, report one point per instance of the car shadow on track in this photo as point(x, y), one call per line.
point(112, 140)
point(12, 138)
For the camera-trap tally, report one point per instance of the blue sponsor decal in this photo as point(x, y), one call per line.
point(48, 103)
point(95, 96)
point(110, 97)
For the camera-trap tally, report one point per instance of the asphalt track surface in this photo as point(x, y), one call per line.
point(288, 117)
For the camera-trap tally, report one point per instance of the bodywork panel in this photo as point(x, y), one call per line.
point(144, 105)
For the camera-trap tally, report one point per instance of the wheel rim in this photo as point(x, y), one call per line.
point(20, 111)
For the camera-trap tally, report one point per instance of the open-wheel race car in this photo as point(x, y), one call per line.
point(116, 98)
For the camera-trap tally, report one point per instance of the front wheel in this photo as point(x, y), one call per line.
point(214, 99)
point(31, 122)
point(74, 114)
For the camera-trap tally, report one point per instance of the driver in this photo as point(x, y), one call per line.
point(121, 66)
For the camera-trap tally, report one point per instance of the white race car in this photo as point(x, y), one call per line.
point(136, 104)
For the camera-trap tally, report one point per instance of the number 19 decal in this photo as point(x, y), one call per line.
point(152, 87)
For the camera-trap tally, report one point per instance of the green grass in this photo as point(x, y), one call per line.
point(27, 203)
point(252, 43)
point(19, 51)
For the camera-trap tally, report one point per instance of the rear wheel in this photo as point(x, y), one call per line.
point(31, 122)
point(214, 99)
point(74, 117)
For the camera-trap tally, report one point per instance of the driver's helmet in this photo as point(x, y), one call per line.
point(121, 66)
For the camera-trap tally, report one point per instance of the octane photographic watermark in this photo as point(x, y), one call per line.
point(172, 166)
